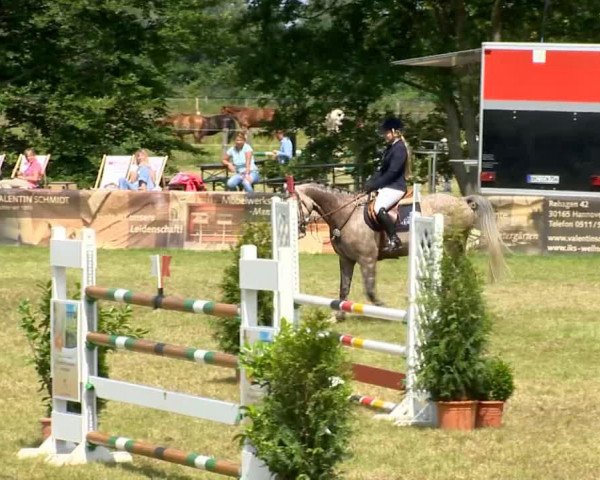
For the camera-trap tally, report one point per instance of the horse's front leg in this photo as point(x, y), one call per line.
point(346, 273)
point(368, 269)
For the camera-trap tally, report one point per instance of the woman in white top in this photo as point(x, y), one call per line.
point(239, 160)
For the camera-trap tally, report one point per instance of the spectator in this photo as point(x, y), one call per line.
point(30, 177)
point(239, 160)
point(141, 176)
point(286, 149)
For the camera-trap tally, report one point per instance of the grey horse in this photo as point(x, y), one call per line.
point(355, 242)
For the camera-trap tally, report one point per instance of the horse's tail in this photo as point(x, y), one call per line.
point(486, 223)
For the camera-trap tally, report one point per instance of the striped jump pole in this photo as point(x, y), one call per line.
point(189, 305)
point(373, 402)
point(373, 345)
point(373, 311)
point(172, 455)
point(163, 349)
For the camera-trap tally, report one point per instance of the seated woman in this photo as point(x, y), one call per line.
point(239, 160)
point(30, 177)
point(141, 177)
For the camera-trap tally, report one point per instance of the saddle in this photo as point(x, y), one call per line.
point(400, 212)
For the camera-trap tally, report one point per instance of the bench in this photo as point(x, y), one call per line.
point(220, 175)
point(216, 173)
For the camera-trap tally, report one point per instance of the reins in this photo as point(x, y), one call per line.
point(337, 230)
point(354, 200)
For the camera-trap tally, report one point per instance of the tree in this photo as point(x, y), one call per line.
point(316, 56)
point(81, 78)
point(323, 54)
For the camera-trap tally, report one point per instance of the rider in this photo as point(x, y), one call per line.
point(389, 180)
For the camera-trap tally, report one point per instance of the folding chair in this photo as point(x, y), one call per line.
point(111, 169)
point(158, 167)
point(23, 163)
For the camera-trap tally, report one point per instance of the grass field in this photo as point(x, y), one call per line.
point(546, 324)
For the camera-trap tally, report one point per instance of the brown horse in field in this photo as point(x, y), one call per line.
point(199, 125)
point(249, 117)
point(185, 124)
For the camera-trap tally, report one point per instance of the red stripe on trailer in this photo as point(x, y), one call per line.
point(378, 376)
point(565, 76)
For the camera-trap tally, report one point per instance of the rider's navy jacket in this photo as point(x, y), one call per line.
point(391, 171)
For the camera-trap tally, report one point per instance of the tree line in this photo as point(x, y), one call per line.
point(81, 78)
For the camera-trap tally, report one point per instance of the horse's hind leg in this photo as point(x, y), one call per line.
point(346, 273)
point(369, 275)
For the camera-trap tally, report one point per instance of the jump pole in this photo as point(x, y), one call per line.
point(179, 352)
point(167, 454)
point(189, 305)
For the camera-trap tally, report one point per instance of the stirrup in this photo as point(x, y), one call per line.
point(393, 245)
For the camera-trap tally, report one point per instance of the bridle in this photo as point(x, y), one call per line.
point(303, 220)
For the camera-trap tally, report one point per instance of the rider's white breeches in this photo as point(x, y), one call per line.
point(386, 197)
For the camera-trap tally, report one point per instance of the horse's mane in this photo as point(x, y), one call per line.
point(328, 188)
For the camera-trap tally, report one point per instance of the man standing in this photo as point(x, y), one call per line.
point(286, 150)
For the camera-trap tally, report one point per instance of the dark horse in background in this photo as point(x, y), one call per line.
point(200, 126)
point(250, 117)
point(357, 243)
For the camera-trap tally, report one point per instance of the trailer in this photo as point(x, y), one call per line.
point(540, 119)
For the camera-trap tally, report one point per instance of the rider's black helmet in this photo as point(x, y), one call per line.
point(391, 123)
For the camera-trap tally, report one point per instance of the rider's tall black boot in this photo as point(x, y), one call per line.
point(386, 221)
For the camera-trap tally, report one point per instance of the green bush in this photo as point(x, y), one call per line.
point(496, 380)
point(35, 323)
point(227, 330)
point(455, 329)
point(301, 429)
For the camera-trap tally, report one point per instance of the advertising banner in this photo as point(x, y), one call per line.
point(122, 219)
point(65, 366)
point(214, 220)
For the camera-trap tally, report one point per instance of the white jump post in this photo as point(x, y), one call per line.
point(424, 258)
point(75, 437)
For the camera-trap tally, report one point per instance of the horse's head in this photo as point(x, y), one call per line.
point(306, 206)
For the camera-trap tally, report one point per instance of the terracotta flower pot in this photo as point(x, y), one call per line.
point(457, 415)
point(489, 414)
point(46, 424)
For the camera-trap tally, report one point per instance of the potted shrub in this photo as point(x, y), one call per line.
point(496, 385)
point(454, 334)
point(301, 428)
point(35, 323)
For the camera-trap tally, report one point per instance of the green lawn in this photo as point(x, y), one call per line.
point(546, 325)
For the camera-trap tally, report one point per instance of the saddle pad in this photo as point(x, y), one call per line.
point(405, 216)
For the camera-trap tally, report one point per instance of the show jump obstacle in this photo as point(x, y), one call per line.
point(75, 437)
point(425, 252)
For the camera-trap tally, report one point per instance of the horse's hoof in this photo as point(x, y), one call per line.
point(337, 318)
